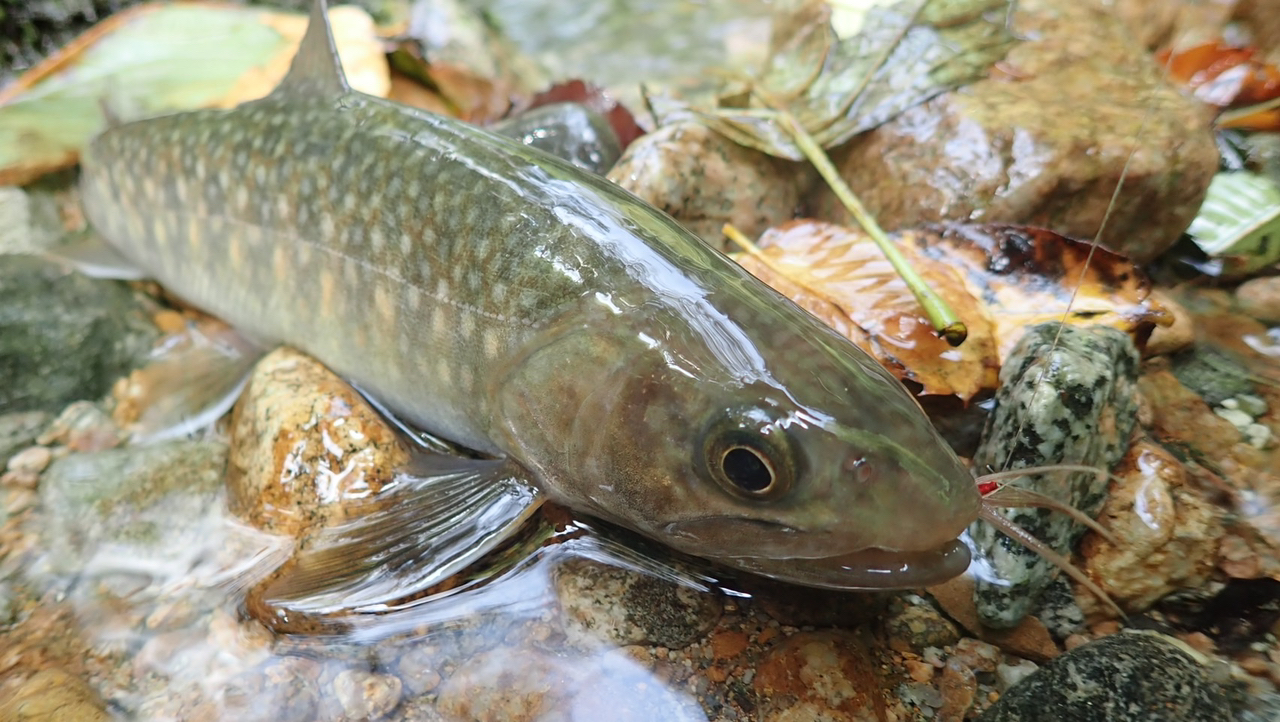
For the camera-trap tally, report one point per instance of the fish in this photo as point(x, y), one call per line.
point(582, 345)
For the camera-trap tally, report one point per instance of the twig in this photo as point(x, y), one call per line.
point(944, 319)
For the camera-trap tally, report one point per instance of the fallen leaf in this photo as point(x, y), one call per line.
point(1238, 222)
point(1028, 276)
point(840, 276)
point(160, 58)
point(840, 81)
point(1000, 279)
point(1223, 75)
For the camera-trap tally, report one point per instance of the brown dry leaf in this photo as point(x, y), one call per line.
point(840, 276)
point(1028, 276)
point(407, 91)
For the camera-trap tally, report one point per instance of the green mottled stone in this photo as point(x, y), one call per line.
point(1070, 403)
point(65, 337)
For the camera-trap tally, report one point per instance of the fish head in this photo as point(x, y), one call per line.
point(795, 455)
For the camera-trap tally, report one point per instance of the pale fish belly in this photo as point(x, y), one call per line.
point(397, 260)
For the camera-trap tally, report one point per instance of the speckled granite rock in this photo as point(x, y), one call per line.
point(705, 180)
point(1076, 405)
point(65, 337)
point(620, 606)
point(1121, 678)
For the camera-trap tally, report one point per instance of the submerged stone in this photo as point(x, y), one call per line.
point(65, 337)
point(1130, 677)
point(140, 506)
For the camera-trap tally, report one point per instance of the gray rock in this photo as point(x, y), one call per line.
point(18, 431)
point(620, 606)
point(1076, 405)
point(570, 131)
point(65, 337)
point(1130, 677)
point(137, 507)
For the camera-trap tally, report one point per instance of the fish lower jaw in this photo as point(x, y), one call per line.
point(866, 569)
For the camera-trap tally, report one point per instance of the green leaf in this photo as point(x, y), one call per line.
point(1239, 222)
point(836, 87)
point(157, 59)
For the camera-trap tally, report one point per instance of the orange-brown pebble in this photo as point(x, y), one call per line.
point(1167, 531)
point(305, 447)
point(1200, 642)
point(1075, 640)
point(1105, 629)
point(959, 686)
point(717, 674)
point(728, 643)
point(919, 671)
point(170, 321)
point(1253, 663)
point(767, 634)
point(818, 675)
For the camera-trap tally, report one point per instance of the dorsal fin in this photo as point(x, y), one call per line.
point(316, 69)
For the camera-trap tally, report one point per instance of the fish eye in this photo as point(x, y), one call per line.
point(747, 469)
point(747, 461)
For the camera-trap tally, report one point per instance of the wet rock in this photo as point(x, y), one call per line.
point(365, 695)
point(1181, 416)
point(705, 180)
point(19, 430)
point(140, 506)
point(1260, 298)
point(958, 686)
point(623, 607)
point(305, 447)
point(1168, 534)
point(570, 131)
point(24, 467)
point(826, 675)
point(82, 426)
point(1122, 678)
point(1059, 611)
point(65, 337)
point(1213, 374)
point(1044, 142)
point(528, 685)
point(284, 691)
point(29, 218)
point(917, 627)
point(51, 695)
point(1074, 405)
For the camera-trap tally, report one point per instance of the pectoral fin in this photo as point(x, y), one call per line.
point(189, 382)
point(93, 257)
point(442, 516)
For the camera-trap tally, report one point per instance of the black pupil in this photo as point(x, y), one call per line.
point(746, 469)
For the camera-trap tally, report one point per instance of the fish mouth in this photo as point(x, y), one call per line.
point(866, 569)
